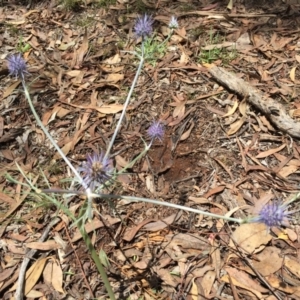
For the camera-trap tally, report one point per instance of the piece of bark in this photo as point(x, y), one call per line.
point(273, 110)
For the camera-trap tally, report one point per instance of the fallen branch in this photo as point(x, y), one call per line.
point(273, 110)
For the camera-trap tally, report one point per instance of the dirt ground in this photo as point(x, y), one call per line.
point(224, 151)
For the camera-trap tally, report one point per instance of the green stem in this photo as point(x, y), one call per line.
point(152, 201)
point(81, 181)
point(296, 197)
point(86, 239)
point(63, 156)
point(137, 74)
point(97, 261)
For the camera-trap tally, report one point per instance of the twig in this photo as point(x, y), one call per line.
point(273, 110)
point(79, 263)
point(28, 256)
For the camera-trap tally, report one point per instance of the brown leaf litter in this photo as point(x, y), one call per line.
point(231, 146)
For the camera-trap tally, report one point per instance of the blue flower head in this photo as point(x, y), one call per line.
point(273, 214)
point(143, 26)
point(17, 66)
point(156, 131)
point(173, 24)
point(97, 170)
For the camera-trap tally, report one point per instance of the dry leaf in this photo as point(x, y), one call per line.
point(6, 273)
point(292, 235)
point(150, 183)
point(34, 294)
point(93, 225)
point(234, 127)
point(131, 232)
point(293, 265)
point(73, 73)
point(32, 275)
point(110, 109)
point(243, 280)
point(81, 52)
point(121, 162)
point(230, 5)
point(113, 60)
point(179, 110)
point(62, 112)
point(44, 246)
point(65, 46)
point(47, 272)
point(10, 89)
point(268, 261)
point(294, 112)
point(194, 290)
point(232, 110)
point(293, 73)
point(297, 57)
point(208, 281)
point(270, 151)
point(159, 225)
point(57, 277)
point(184, 59)
point(17, 22)
point(115, 77)
point(250, 237)
point(287, 170)
point(65, 149)
point(186, 134)
point(214, 191)
point(276, 283)
point(243, 107)
point(168, 278)
point(35, 273)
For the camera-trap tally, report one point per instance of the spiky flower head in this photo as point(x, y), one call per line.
point(173, 24)
point(143, 26)
point(17, 65)
point(273, 214)
point(156, 131)
point(97, 170)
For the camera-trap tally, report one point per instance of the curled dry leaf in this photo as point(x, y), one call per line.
point(234, 127)
point(232, 110)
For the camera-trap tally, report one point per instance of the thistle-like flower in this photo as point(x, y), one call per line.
point(143, 26)
point(273, 214)
point(17, 66)
point(156, 131)
point(173, 24)
point(97, 170)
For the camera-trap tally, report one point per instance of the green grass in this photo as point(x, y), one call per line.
point(187, 7)
point(218, 53)
point(71, 4)
point(85, 21)
point(153, 50)
point(104, 3)
point(22, 46)
point(139, 6)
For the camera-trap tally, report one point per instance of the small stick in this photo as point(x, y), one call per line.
point(79, 263)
